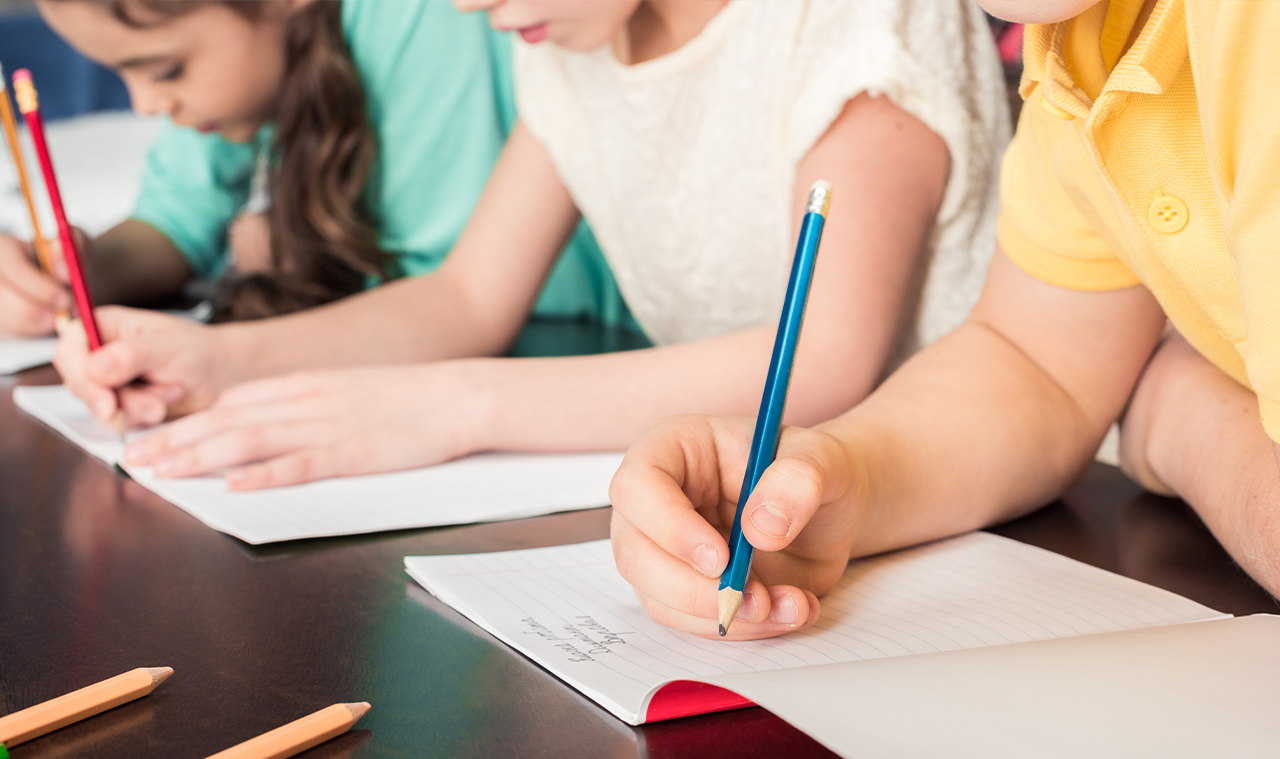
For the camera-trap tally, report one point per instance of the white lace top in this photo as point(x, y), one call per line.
point(684, 165)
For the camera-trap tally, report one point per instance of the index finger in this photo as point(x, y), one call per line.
point(666, 477)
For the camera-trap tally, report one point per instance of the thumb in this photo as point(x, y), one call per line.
point(811, 469)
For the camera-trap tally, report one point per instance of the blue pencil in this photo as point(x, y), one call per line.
point(764, 444)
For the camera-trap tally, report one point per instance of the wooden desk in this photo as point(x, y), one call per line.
point(98, 576)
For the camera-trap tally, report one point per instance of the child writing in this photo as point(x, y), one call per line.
point(374, 125)
point(1139, 186)
point(688, 133)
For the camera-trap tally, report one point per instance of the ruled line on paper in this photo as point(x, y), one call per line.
point(568, 609)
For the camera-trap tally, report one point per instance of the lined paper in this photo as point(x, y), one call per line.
point(482, 488)
point(17, 354)
point(568, 609)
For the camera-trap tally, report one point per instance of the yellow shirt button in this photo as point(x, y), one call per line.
point(1055, 110)
point(1167, 214)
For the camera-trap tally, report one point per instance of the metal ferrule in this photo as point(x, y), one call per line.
point(819, 198)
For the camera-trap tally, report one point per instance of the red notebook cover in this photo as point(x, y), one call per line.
point(686, 698)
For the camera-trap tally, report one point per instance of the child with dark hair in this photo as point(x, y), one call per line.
point(374, 126)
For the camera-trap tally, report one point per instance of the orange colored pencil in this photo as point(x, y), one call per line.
point(11, 134)
point(37, 720)
point(299, 735)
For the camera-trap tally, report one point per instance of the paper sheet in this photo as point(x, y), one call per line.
point(17, 354)
point(482, 488)
point(568, 609)
point(1196, 690)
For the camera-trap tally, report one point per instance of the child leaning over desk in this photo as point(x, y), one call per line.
point(374, 124)
point(1141, 184)
point(688, 133)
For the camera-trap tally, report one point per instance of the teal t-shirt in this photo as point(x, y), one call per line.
point(439, 96)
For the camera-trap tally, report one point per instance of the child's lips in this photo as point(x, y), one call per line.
point(534, 34)
point(207, 127)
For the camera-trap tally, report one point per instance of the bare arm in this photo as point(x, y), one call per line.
point(473, 305)
point(889, 172)
point(133, 263)
point(1026, 389)
point(990, 422)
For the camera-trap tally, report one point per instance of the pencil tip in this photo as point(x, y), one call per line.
point(159, 674)
point(117, 423)
point(358, 710)
point(730, 601)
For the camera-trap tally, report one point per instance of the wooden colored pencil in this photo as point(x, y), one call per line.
point(764, 443)
point(29, 103)
point(37, 720)
point(20, 165)
point(299, 735)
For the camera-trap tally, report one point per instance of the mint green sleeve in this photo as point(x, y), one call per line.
point(192, 188)
point(440, 98)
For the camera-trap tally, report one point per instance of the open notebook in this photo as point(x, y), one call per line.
point(569, 610)
point(482, 488)
point(18, 354)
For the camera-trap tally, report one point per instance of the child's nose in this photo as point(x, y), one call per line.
point(468, 6)
point(148, 102)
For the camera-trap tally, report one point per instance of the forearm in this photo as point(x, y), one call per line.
point(133, 263)
point(473, 305)
point(411, 320)
point(605, 402)
point(966, 434)
point(1198, 432)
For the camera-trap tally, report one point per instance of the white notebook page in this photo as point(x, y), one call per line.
point(481, 488)
point(568, 609)
point(17, 354)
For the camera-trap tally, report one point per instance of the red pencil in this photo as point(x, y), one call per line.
point(28, 102)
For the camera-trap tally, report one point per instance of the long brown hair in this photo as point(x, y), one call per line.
point(324, 245)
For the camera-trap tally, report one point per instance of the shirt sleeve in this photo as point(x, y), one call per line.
point(1234, 81)
point(1040, 228)
point(192, 188)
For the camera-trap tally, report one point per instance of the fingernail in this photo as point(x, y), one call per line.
point(153, 415)
point(784, 610)
point(164, 465)
point(748, 609)
point(135, 453)
point(236, 477)
point(104, 409)
point(707, 560)
point(770, 521)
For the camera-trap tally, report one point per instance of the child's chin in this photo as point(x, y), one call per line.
point(238, 133)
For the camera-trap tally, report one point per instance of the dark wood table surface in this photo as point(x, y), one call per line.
point(98, 575)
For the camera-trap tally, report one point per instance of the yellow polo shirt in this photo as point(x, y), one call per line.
point(1160, 168)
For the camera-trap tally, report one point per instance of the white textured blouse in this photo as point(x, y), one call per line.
point(684, 165)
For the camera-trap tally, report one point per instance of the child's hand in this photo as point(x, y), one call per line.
point(160, 365)
point(303, 427)
point(28, 297)
point(674, 500)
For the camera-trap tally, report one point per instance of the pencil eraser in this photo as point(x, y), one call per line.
point(21, 75)
point(821, 184)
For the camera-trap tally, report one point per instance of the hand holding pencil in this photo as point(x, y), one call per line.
point(674, 498)
point(28, 102)
point(32, 299)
